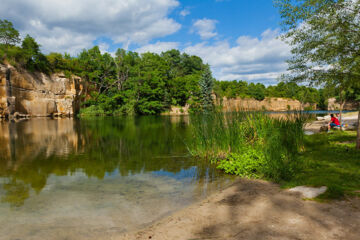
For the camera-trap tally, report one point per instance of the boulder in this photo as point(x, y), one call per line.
point(309, 192)
point(324, 128)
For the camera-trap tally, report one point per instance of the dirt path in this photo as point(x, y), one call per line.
point(258, 210)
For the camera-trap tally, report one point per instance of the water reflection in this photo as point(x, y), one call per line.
point(31, 151)
point(95, 178)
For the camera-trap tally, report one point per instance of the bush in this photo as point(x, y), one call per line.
point(249, 163)
point(93, 110)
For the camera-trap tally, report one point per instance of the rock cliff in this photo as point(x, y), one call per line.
point(334, 105)
point(37, 94)
point(239, 104)
point(268, 104)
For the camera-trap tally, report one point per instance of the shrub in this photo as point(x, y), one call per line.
point(93, 110)
point(249, 163)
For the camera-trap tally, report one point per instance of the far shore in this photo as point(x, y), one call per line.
point(255, 209)
point(348, 116)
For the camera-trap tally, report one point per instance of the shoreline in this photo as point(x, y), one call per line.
point(314, 126)
point(257, 209)
point(350, 114)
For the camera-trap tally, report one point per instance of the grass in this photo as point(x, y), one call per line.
point(330, 160)
point(256, 145)
point(249, 144)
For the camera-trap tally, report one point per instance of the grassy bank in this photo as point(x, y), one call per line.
point(330, 160)
point(249, 144)
point(258, 145)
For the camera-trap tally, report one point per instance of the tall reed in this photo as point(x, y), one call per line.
point(252, 144)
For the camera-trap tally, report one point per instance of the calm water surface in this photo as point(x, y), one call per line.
point(96, 178)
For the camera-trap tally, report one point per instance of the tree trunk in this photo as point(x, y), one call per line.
point(342, 102)
point(358, 132)
point(341, 109)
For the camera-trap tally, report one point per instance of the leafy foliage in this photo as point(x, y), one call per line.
point(143, 84)
point(324, 36)
point(8, 34)
point(249, 163)
point(206, 87)
point(32, 56)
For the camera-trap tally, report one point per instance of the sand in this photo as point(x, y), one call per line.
point(348, 118)
point(251, 209)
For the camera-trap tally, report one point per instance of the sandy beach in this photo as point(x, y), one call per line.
point(254, 209)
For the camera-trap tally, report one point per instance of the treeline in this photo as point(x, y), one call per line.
point(290, 90)
point(149, 83)
point(126, 83)
point(129, 83)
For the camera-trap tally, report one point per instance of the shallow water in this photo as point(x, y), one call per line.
point(96, 178)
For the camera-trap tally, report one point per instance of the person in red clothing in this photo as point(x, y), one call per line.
point(334, 122)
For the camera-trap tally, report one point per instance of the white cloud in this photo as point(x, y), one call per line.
point(67, 25)
point(184, 12)
point(58, 39)
point(104, 47)
point(250, 59)
point(205, 28)
point(158, 47)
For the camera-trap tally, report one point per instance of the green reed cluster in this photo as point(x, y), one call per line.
point(251, 144)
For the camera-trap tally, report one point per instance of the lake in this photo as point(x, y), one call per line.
point(96, 178)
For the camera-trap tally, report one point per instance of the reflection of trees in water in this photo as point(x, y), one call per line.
point(16, 193)
point(95, 147)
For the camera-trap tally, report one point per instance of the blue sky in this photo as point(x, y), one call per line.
point(235, 17)
point(238, 38)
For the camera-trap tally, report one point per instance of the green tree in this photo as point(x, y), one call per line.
point(98, 69)
point(32, 56)
point(179, 89)
point(174, 59)
point(206, 87)
point(59, 62)
point(324, 39)
point(256, 91)
point(8, 34)
point(150, 85)
point(122, 68)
